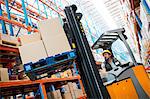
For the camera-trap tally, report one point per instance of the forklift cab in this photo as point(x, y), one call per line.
point(130, 74)
point(108, 41)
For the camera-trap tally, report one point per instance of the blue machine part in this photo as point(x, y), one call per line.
point(50, 60)
point(72, 54)
point(27, 67)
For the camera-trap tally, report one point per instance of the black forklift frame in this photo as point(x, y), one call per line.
point(89, 73)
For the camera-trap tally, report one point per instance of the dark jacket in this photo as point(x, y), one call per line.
point(108, 66)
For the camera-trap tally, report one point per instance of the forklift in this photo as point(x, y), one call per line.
point(128, 81)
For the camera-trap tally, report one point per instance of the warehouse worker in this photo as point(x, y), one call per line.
point(110, 62)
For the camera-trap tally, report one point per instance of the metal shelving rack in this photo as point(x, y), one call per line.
point(131, 19)
point(139, 31)
point(29, 12)
point(10, 50)
point(23, 87)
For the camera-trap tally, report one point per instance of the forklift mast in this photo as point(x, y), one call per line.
point(89, 73)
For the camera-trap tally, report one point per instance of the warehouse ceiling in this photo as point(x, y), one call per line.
point(106, 14)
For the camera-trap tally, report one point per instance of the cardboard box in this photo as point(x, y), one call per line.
point(75, 92)
point(72, 85)
point(67, 95)
point(4, 75)
point(54, 95)
point(78, 93)
point(1, 65)
point(26, 39)
point(53, 36)
point(32, 52)
point(66, 88)
point(71, 90)
point(68, 91)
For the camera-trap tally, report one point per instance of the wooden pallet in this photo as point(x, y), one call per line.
point(8, 44)
point(9, 41)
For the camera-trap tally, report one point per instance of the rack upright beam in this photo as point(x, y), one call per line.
point(9, 17)
point(2, 21)
point(25, 14)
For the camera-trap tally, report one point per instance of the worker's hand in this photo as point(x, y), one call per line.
point(103, 72)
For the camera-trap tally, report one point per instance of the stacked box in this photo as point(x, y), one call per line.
point(4, 75)
point(1, 65)
point(72, 91)
point(54, 95)
point(76, 93)
point(72, 88)
point(69, 91)
point(32, 52)
point(53, 36)
point(67, 94)
point(26, 39)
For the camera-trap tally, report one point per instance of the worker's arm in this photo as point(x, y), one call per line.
point(103, 69)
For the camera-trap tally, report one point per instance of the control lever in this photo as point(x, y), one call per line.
point(116, 69)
